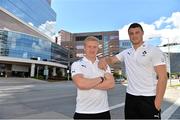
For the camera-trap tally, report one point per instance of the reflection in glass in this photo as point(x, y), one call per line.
point(20, 45)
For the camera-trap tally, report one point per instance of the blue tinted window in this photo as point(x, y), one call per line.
point(24, 46)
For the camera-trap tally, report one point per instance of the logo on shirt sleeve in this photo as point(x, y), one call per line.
point(129, 53)
point(83, 66)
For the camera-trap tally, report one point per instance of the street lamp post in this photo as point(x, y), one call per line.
point(169, 60)
point(68, 71)
point(169, 56)
point(68, 74)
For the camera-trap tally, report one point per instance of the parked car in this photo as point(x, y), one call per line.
point(119, 80)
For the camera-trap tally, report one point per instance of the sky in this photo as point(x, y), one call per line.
point(159, 18)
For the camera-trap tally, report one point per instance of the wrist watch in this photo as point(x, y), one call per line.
point(102, 79)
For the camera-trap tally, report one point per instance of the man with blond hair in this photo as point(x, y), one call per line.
point(92, 84)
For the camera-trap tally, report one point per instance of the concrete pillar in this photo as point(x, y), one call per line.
point(63, 72)
point(46, 72)
point(37, 72)
point(54, 71)
point(32, 70)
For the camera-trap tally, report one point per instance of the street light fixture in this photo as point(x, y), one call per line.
point(169, 54)
point(169, 57)
point(169, 60)
point(68, 71)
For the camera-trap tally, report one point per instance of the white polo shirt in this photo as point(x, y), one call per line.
point(140, 70)
point(93, 100)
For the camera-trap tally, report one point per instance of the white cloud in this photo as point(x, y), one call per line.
point(149, 31)
point(123, 34)
point(30, 23)
point(54, 37)
point(166, 28)
point(174, 19)
point(48, 28)
point(159, 22)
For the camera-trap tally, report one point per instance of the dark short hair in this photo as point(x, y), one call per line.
point(135, 25)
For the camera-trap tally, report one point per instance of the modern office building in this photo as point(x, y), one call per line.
point(109, 43)
point(26, 47)
point(124, 44)
point(174, 62)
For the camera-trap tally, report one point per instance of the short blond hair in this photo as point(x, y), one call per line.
point(91, 38)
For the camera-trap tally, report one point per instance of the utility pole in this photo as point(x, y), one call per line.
point(169, 60)
point(169, 55)
point(68, 71)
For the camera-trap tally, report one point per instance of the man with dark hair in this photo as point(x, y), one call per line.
point(146, 75)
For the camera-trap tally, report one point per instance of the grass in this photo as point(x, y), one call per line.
point(175, 85)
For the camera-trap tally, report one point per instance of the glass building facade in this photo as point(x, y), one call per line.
point(20, 45)
point(106, 45)
point(26, 47)
point(37, 13)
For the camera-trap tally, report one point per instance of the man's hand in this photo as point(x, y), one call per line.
point(161, 85)
point(108, 76)
point(108, 82)
point(157, 105)
point(105, 61)
point(102, 64)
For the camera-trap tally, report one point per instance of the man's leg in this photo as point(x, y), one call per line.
point(81, 116)
point(148, 109)
point(103, 115)
point(131, 107)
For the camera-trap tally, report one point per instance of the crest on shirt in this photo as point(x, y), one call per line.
point(144, 53)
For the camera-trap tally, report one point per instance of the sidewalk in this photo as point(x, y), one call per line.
point(172, 96)
point(19, 80)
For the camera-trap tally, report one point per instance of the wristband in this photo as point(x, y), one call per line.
point(102, 79)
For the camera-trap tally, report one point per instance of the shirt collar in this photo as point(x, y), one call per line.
point(87, 60)
point(144, 45)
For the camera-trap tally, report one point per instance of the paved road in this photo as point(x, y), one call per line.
point(28, 98)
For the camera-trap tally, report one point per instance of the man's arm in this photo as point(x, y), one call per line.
point(103, 62)
point(161, 85)
point(85, 83)
point(108, 82)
